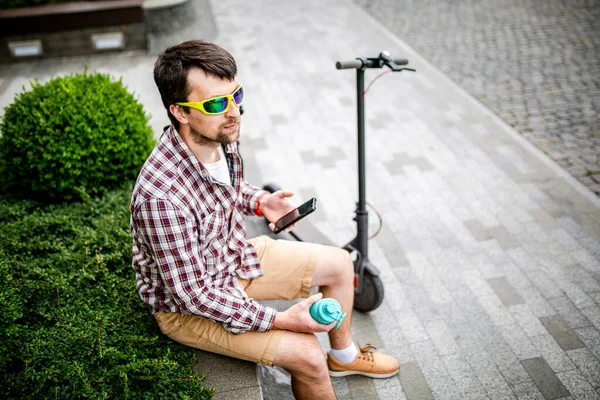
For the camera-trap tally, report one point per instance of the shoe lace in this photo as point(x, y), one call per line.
point(366, 352)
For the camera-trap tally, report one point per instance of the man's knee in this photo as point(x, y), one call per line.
point(343, 265)
point(301, 353)
point(334, 266)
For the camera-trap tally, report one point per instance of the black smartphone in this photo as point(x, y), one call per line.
point(295, 215)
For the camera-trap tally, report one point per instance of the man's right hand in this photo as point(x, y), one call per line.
point(298, 319)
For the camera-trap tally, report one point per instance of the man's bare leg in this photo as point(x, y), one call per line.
point(301, 355)
point(334, 275)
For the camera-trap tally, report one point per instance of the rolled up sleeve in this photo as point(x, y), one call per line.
point(250, 196)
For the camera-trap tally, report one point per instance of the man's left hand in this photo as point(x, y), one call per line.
point(276, 205)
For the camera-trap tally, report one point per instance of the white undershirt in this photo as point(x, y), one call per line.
point(219, 170)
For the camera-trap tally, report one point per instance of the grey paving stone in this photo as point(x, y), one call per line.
point(489, 265)
point(464, 377)
point(505, 292)
point(228, 375)
point(545, 285)
point(341, 387)
point(589, 260)
point(544, 378)
point(552, 353)
point(587, 364)
point(411, 326)
point(565, 239)
point(519, 343)
point(528, 321)
point(585, 279)
point(577, 385)
point(441, 337)
point(485, 328)
point(478, 231)
point(569, 313)
point(433, 369)
point(536, 303)
point(578, 296)
point(507, 363)
point(392, 247)
point(364, 330)
point(241, 394)
point(522, 258)
point(504, 238)
point(476, 283)
point(498, 314)
point(593, 314)
point(544, 219)
point(413, 382)
point(407, 241)
point(361, 387)
point(566, 338)
point(591, 337)
point(389, 389)
point(488, 374)
point(527, 391)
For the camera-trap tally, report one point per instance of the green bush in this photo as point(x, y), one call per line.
point(72, 323)
point(79, 133)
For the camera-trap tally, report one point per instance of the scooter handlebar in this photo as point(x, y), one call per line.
point(349, 64)
point(359, 64)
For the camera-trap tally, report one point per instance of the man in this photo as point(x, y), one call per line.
point(195, 268)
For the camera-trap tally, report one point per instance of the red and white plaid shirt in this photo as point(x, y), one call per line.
point(189, 238)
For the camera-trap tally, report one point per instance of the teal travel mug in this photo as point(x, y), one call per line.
point(326, 311)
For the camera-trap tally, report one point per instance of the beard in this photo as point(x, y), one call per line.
point(221, 137)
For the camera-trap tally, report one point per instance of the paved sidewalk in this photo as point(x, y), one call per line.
point(535, 63)
point(489, 252)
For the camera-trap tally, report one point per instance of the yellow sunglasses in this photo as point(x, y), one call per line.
point(217, 105)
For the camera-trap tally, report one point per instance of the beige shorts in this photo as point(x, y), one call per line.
point(288, 268)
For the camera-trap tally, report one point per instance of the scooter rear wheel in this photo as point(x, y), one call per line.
point(372, 293)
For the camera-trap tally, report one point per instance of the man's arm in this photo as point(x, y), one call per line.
point(173, 242)
point(250, 196)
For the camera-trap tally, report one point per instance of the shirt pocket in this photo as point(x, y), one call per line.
point(213, 237)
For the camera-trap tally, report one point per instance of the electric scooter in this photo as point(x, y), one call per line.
point(368, 287)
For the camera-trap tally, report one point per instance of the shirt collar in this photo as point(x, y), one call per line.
point(184, 154)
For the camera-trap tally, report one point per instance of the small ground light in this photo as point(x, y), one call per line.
point(108, 41)
point(29, 48)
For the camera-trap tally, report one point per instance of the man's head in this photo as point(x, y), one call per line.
point(191, 72)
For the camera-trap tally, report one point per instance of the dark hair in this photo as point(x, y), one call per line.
point(172, 66)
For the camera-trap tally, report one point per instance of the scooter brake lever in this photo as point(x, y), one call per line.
point(386, 59)
point(397, 68)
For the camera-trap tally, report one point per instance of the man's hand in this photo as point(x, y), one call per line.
point(297, 318)
point(276, 205)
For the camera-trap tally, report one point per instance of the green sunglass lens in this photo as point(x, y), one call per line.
point(216, 106)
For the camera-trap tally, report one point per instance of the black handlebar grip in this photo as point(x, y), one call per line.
point(349, 64)
point(401, 61)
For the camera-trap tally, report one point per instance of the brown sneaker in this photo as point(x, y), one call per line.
point(367, 363)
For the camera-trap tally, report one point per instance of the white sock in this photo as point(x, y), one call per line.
point(347, 355)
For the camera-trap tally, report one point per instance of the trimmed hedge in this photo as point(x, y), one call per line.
point(72, 323)
point(83, 133)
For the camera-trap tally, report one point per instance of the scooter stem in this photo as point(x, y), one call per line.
point(362, 217)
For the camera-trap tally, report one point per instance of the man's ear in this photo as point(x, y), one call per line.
point(178, 113)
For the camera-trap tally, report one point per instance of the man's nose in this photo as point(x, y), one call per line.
point(234, 110)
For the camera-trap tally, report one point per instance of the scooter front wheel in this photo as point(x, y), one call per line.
point(371, 296)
